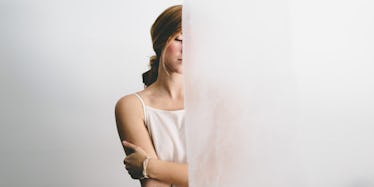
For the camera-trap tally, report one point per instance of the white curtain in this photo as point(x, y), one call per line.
point(280, 93)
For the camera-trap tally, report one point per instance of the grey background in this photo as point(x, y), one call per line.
point(63, 66)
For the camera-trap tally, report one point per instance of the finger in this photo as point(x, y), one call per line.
point(128, 167)
point(127, 160)
point(129, 145)
point(124, 161)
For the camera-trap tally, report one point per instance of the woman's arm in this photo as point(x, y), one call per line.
point(130, 126)
point(169, 172)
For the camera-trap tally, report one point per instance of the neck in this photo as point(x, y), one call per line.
point(172, 85)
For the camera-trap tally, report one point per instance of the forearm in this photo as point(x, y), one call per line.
point(153, 183)
point(169, 172)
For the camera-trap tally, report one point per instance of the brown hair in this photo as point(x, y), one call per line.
point(166, 26)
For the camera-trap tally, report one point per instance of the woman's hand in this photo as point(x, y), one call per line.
point(134, 161)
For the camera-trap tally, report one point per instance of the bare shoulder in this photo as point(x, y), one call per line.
point(130, 123)
point(128, 108)
point(128, 102)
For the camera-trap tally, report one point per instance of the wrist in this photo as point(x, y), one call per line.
point(145, 167)
point(151, 168)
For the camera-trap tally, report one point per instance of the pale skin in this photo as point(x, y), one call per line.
point(167, 94)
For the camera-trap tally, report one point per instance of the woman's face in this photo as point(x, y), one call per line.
point(173, 55)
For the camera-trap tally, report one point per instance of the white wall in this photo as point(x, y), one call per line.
point(63, 65)
point(280, 93)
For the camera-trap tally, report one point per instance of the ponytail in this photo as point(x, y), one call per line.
point(150, 76)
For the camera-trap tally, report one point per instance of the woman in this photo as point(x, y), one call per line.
point(150, 122)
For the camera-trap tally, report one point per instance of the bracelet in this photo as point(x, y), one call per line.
point(145, 165)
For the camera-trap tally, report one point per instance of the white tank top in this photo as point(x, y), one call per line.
point(166, 129)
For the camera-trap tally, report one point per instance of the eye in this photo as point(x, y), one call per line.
point(179, 38)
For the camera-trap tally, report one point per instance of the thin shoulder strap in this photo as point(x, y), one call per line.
point(141, 100)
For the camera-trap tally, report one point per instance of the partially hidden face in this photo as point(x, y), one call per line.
point(173, 55)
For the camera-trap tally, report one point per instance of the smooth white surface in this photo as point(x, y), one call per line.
point(280, 93)
point(63, 66)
